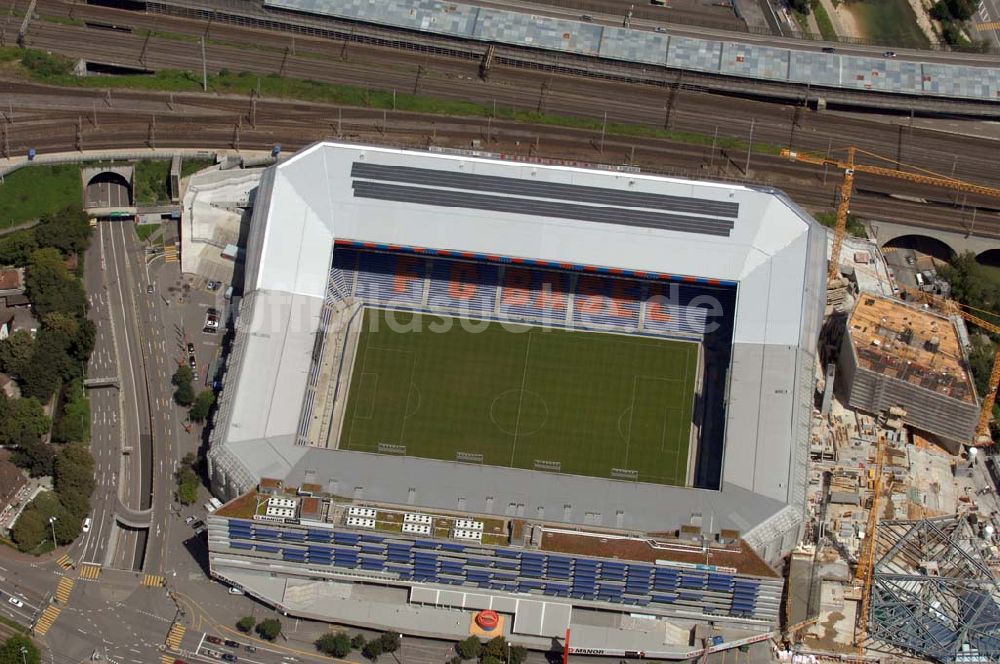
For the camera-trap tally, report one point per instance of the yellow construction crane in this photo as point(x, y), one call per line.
point(850, 167)
point(972, 315)
point(865, 569)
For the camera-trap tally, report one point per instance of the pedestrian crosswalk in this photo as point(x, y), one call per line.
point(90, 571)
point(46, 620)
point(170, 253)
point(175, 636)
point(64, 589)
point(65, 562)
point(153, 580)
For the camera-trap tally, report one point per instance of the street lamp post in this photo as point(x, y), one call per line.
point(52, 522)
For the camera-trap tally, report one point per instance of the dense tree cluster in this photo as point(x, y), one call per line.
point(187, 480)
point(19, 649)
point(183, 387)
point(202, 406)
point(73, 478)
point(495, 651)
point(50, 364)
point(973, 284)
point(951, 13)
point(340, 645)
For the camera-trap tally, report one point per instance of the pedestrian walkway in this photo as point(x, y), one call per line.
point(65, 562)
point(64, 589)
point(175, 636)
point(153, 580)
point(170, 253)
point(47, 619)
point(90, 571)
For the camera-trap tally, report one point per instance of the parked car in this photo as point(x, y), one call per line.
point(15, 601)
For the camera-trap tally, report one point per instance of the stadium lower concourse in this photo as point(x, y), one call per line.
point(579, 397)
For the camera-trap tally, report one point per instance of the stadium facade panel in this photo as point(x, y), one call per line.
point(333, 198)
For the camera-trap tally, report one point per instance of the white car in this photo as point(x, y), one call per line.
point(15, 601)
point(86, 524)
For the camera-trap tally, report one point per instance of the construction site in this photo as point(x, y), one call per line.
point(900, 558)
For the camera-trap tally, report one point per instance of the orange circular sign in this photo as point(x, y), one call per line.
point(488, 620)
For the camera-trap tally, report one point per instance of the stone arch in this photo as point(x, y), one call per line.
point(989, 257)
point(925, 244)
point(110, 178)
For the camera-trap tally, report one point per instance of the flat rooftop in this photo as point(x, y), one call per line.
point(911, 343)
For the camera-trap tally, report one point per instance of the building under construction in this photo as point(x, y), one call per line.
point(900, 355)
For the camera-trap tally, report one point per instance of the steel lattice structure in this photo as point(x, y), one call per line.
point(932, 595)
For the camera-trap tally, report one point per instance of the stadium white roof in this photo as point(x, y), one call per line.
point(753, 237)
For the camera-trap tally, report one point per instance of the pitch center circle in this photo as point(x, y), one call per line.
point(518, 412)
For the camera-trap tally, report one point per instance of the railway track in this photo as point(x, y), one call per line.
point(53, 119)
point(688, 109)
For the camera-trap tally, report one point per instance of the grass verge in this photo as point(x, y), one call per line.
point(28, 194)
point(151, 181)
point(145, 230)
point(824, 23)
point(888, 22)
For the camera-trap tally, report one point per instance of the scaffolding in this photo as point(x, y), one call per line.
point(933, 596)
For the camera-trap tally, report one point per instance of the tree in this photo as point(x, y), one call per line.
point(74, 469)
point(390, 641)
point(16, 248)
point(11, 651)
point(495, 647)
point(73, 421)
point(16, 351)
point(21, 420)
point(68, 230)
point(336, 645)
point(245, 624)
point(269, 629)
point(469, 648)
point(34, 456)
point(187, 486)
point(372, 649)
point(50, 285)
point(29, 530)
point(202, 405)
point(517, 655)
point(358, 641)
point(184, 392)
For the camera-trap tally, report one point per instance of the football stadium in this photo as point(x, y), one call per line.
point(464, 382)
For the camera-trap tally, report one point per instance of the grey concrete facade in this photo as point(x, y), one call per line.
point(926, 410)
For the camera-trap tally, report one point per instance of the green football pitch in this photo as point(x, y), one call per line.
point(519, 395)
